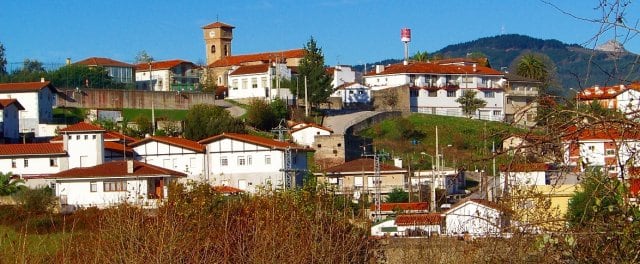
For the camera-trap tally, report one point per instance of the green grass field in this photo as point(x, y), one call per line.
point(25, 247)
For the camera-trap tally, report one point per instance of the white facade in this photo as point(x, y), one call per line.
point(172, 75)
point(33, 165)
point(248, 166)
point(473, 218)
point(353, 93)
point(92, 192)
point(86, 149)
point(9, 122)
point(306, 135)
point(611, 155)
point(256, 81)
point(342, 74)
point(173, 157)
point(523, 178)
point(628, 102)
point(38, 106)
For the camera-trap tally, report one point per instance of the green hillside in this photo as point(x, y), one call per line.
point(464, 142)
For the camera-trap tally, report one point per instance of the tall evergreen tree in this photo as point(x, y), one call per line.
point(3, 61)
point(312, 67)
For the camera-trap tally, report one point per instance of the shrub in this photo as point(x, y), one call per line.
point(36, 201)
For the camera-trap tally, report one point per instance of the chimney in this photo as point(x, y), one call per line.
point(475, 69)
point(379, 69)
point(41, 79)
point(397, 162)
point(405, 62)
point(596, 87)
point(129, 166)
point(68, 61)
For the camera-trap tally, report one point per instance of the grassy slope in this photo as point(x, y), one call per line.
point(464, 141)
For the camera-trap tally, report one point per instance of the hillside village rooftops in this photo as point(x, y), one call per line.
point(525, 167)
point(601, 132)
point(251, 69)
point(98, 61)
point(402, 206)
point(32, 149)
point(117, 147)
point(25, 87)
point(218, 25)
point(605, 92)
point(265, 57)
point(116, 169)
point(418, 219)
point(4, 103)
point(174, 141)
point(257, 140)
point(362, 165)
point(162, 65)
point(433, 68)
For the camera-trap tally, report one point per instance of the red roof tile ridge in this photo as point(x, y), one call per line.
point(82, 127)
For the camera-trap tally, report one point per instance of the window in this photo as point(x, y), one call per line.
point(234, 84)
point(13, 163)
point(224, 161)
point(86, 137)
point(53, 162)
point(242, 161)
point(93, 187)
point(592, 148)
point(213, 48)
point(78, 137)
point(249, 160)
point(94, 136)
point(26, 163)
point(69, 137)
point(294, 159)
point(267, 159)
point(263, 80)
point(610, 152)
point(451, 93)
point(244, 83)
point(433, 93)
point(497, 112)
point(226, 50)
point(612, 168)
point(509, 101)
point(414, 93)
point(350, 91)
point(319, 145)
point(254, 82)
point(114, 186)
point(489, 94)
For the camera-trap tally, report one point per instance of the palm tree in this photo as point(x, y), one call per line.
point(532, 66)
point(420, 56)
point(8, 185)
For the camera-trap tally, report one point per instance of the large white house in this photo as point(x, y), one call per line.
point(249, 162)
point(352, 93)
point(341, 74)
point(33, 160)
point(257, 81)
point(624, 98)
point(38, 99)
point(113, 183)
point(170, 75)
point(172, 153)
point(10, 120)
point(435, 87)
point(478, 218)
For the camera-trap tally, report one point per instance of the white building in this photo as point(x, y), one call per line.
point(38, 99)
point(170, 75)
point(478, 218)
point(10, 120)
point(113, 183)
point(434, 88)
point(341, 74)
point(521, 106)
point(352, 93)
point(249, 162)
point(525, 174)
point(33, 160)
point(84, 143)
point(257, 81)
point(178, 154)
point(409, 225)
point(304, 133)
point(624, 98)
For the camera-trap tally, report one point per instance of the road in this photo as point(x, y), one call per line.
point(340, 123)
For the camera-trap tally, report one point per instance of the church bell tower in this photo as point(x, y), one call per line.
point(217, 39)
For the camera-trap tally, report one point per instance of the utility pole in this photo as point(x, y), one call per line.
point(306, 98)
point(377, 182)
point(433, 180)
point(153, 97)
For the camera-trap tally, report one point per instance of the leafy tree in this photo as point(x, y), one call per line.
point(599, 198)
point(76, 75)
point(279, 108)
point(397, 195)
point(3, 61)
point(8, 185)
point(470, 103)
point(144, 126)
point(312, 67)
point(143, 57)
point(420, 56)
point(31, 71)
point(204, 120)
point(36, 201)
point(260, 115)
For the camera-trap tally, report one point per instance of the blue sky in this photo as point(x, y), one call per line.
point(349, 31)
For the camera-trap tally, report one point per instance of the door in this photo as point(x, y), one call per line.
point(159, 186)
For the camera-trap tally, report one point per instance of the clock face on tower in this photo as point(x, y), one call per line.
point(212, 33)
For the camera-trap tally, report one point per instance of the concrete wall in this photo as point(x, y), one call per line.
point(105, 98)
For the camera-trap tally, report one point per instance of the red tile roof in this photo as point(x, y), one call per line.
point(217, 25)
point(601, 132)
point(348, 84)
point(362, 165)
point(427, 67)
point(308, 125)
point(599, 93)
point(264, 57)
point(226, 189)
point(117, 147)
point(116, 169)
point(113, 135)
point(179, 142)
point(97, 61)
point(251, 69)
point(265, 142)
point(418, 219)
point(402, 206)
point(525, 167)
point(82, 127)
point(162, 65)
point(31, 149)
point(24, 87)
point(4, 103)
point(486, 203)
